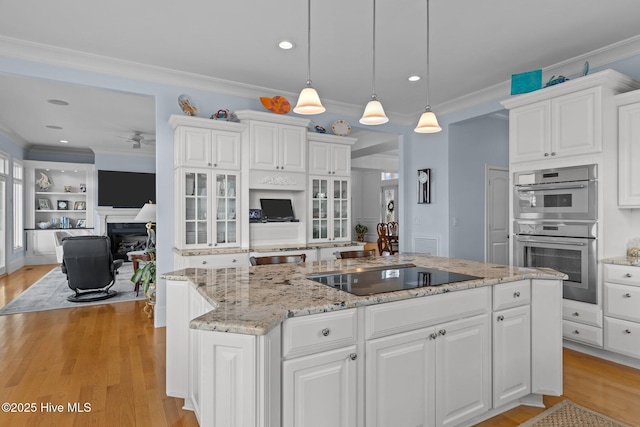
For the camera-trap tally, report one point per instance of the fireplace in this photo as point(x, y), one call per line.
point(126, 237)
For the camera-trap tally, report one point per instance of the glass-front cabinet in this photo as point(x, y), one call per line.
point(209, 205)
point(329, 210)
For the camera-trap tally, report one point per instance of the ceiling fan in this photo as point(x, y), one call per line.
point(137, 139)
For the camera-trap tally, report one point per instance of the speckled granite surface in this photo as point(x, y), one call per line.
point(253, 300)
point(622, 260)
point(216, 251)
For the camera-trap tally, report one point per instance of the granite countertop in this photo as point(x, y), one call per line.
point(253, 300)
point(265, 248)
point(622, 260)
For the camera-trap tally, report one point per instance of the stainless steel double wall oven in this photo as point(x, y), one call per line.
point(555, 225)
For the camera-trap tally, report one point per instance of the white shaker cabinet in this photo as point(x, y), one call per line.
point(628, 149)
point(277, 147)
point(329, 211)
point(562, 126)
point(622, 309)
point(329, 154)
point(208, 148)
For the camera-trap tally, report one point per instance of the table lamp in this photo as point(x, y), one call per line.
point(148, 214)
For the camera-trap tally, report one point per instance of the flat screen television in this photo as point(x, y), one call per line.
point(125, 189)
point(277, 209)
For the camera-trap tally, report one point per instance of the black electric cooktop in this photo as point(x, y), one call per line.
point(377, 280)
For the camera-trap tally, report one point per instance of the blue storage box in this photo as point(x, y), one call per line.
point(526, 82)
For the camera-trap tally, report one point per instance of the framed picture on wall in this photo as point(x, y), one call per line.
point(424, 185)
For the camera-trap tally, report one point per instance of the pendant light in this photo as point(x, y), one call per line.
point(373, 112)
point(309, 101)
point(428, 122)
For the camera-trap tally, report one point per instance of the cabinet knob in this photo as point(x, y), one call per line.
point(353, 356)
point(546, 154)
point(576, 314)
point(442, 332)
point(215, 165)
point(277, 167)
point(282, 167)
point(233, 260)
point(628, 275)
point(204, 262)
point(500, 318)
point(516, 294)
point(433, 336)
point(553, 153)
point(210, 244)
point(627, 331)
point(576, 332)
point(208, 164)
point(326, 332)
point(627, 295)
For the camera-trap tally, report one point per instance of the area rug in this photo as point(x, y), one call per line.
point(51, 292)
point(568, 414)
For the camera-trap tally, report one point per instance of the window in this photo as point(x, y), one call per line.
point(18, 206)
point(386, 176)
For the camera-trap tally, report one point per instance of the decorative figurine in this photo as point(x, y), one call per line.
point(44, 182)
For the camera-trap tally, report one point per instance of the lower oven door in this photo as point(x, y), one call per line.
point(575, 257)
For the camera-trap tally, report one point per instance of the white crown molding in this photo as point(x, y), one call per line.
point(68, 58)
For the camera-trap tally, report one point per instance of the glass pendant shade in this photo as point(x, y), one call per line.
point(309, 102)
point(374, 113)
point(428, 123)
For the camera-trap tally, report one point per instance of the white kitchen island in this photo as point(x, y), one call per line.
point(265, 346)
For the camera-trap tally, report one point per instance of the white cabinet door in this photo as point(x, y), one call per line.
point(291, 148)
point(277, 147)
point(530, 132)
point(341, 160)
point(511, 354)
point(546, 337)
point(629, 156)
point(195, 147)
point(576, 123)
point(329, 211)
point(400, 377)
point(320, 390)
point(329, 159)
point(463, 370)
point(225, 152)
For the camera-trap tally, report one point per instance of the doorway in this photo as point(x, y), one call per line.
point(389, 203)
point(497, 214)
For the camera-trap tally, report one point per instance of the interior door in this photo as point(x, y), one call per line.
point(3, 225)
point(497, 215)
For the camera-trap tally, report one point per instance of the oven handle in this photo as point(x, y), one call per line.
point(551, 187)
point(552, 242)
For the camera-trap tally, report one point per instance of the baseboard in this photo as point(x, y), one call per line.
point(602, 354)
point(15, 265)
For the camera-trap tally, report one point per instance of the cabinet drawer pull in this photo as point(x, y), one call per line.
point(546, 154)
point(433, 336)
point(500, 318)
point(326, 332)
point(215, 165)
point(627, 295)
point(627, 331)
point(576, 314)
point(576, 332)
point(234, 260)
point(353, 356)
point(553, 153)
point(516, 294)
point(204, 262)
point(442, 332)
point(628, 275)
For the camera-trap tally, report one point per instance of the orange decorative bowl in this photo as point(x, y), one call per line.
point(277, 104)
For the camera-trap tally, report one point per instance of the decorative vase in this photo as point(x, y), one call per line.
point(360, 237)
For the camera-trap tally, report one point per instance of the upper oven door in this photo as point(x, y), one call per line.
point(562, 200)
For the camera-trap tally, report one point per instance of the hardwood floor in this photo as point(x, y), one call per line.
point(112, 357)
point(109, 356)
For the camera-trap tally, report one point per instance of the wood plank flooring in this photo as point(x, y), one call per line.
point(111, 357)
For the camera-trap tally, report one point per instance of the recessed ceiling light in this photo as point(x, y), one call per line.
point(414, 78)
point(64, 141)
point(57, 102)
point(286, 45)
point(54, 127)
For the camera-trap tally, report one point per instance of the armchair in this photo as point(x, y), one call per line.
point(91, 271)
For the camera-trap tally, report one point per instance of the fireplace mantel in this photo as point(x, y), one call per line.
point(107, 215)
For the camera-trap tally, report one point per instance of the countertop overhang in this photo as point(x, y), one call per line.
point(253, 300)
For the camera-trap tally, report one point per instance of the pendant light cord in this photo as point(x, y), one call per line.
point(428, 107)
point(373, 84)
point(309, 43)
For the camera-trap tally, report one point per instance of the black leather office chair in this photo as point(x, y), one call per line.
point(90, 268)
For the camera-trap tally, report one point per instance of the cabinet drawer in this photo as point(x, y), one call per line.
point(622, 336)
point(623, 274)
point(582, 333)
point(589, 314)
point(320, 332)
point(214, 261)
point(395, 317)
point(622, 301)
point(507, 295)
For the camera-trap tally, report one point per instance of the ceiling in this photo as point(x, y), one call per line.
point(474, 45)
